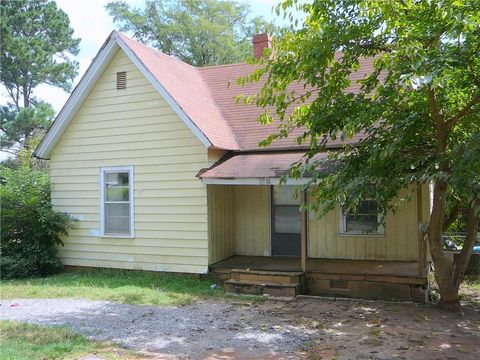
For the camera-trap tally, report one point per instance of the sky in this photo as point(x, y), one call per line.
point(92, 24)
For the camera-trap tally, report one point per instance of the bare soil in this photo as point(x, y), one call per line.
point(304, 328)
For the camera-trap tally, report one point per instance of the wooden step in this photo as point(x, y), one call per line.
point(263, 288)
point(221, 273)
point(273, 277)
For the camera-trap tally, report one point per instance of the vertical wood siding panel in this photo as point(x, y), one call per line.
point(398, 243)
point(221, 218)
point(252, 219)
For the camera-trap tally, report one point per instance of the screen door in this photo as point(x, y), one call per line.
point(286, 221)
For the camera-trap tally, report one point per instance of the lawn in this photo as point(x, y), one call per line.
point(470, 290)
point(19, 341)
point(133, 287)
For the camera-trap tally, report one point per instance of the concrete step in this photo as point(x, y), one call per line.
point(273, 277)
point(263, 288)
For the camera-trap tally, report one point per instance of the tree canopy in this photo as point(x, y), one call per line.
point(417, 111)
point(209, 32)
point(36, 47)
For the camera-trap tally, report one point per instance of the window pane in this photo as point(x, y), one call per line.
point(284, 195)
point(287, 220)
point(361, 223)
point(367, 207)
point(117, 226)
point(116, 178)
point(117, 219)
point(117, 210)
point(115, 193)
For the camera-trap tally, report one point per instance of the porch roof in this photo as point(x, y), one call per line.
point(254, 168)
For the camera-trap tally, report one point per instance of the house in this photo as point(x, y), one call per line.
point(162, 169)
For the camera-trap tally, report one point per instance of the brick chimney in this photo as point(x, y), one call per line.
point(260, 42)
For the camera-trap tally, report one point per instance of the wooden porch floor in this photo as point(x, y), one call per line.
point(324, 266)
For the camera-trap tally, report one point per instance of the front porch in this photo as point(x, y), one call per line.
point(263, 241)
point(398, 280)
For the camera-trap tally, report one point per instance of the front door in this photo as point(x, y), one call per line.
point(286, 220)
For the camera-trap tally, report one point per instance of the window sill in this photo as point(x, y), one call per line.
point(117, 236)
point(375, 235)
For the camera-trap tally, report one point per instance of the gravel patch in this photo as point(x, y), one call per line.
point(270, 330)
point(186, 332)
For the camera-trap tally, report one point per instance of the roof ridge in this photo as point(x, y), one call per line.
point(180, 61)
point(222, 65)
point(158, 52)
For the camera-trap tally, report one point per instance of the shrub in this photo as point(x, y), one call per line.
point(30, 228)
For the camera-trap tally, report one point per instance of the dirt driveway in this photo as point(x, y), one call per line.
point(299, 329)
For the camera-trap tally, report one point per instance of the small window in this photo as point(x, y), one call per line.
point(121, 80)
point(365, 220)
point(116, 190)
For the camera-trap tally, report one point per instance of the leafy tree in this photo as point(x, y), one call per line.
point(20, 125)
point(36, 42)
point(207, 32)
point(418, 110)
point(31, 228)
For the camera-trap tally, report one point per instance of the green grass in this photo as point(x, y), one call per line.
point(19, 341)
point(472, 282)
point(133, 287)
point(470, 290)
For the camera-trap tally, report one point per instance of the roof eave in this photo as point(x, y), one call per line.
point(253, 181)
point(81, 91)
point(79, 94)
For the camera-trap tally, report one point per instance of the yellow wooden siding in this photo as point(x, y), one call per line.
point(251, 213)
point(252, 220)
point(398, 243)
point(135, 127)
point(221, 222)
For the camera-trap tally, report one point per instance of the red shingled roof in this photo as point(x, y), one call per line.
point(271, 164)
point(208, 96)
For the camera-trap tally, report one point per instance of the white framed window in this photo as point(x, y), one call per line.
point(116, 201)
point(364, 220)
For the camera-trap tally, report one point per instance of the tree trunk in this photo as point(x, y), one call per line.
point(26, 100)
point(449, 298)
point(461, 263)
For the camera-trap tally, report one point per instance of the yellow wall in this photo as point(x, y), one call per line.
point(252, 220)
point(398, 243)
point(247, 208)
point(221, 222)
point(252, 229)
point(135, 127)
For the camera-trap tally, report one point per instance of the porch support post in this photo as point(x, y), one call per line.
point(422, 248)
point(303, 234)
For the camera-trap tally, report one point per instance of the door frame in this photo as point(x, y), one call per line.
point(272, 229)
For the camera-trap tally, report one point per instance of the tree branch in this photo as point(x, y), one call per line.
point(451, 217)
point(436, 113)
point(465, 111)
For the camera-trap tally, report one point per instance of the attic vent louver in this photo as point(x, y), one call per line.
point(122, 80)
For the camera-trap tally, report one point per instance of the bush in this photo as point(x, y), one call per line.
point(30, 228)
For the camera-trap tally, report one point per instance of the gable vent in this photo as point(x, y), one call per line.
point(122, 80)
